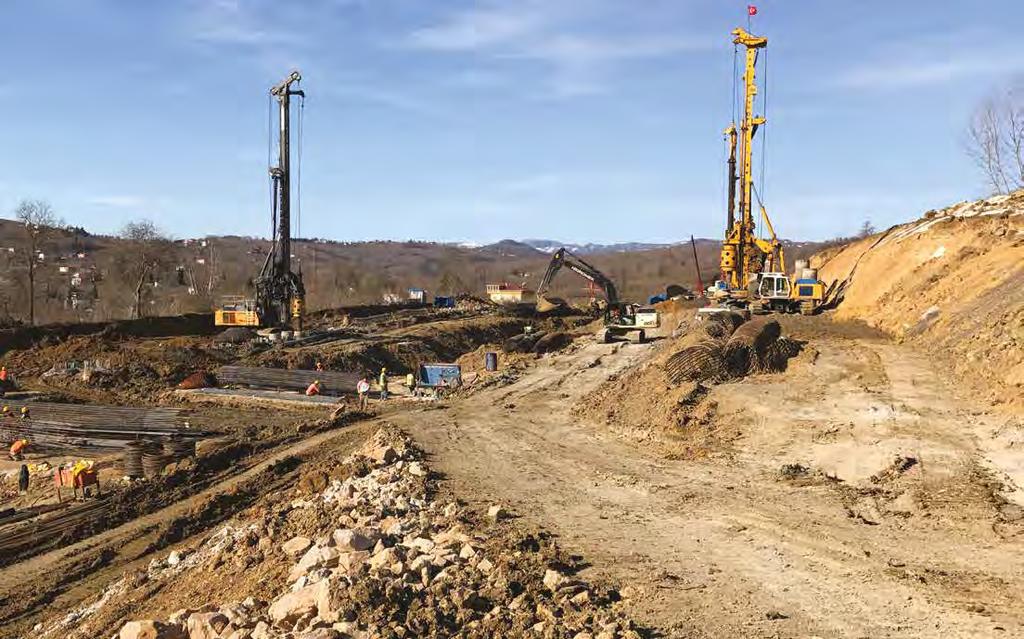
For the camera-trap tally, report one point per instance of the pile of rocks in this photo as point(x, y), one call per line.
point(394, 562)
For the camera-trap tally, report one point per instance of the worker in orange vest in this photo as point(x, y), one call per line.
point(18, 449)
point(313, 389)
point(3, 374)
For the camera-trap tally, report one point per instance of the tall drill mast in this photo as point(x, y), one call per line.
point(743, 253)
point(280, 293)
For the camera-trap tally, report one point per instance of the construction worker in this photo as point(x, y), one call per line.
point(23, 479)
point(410, 382)
point(5, 413)
point(18, 449)
point(363, 390)
point(24, 413)
point(319, 366)
point(3, 375)
point(313, 389)
point(383, 383)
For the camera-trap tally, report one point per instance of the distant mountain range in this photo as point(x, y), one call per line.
point(550, 246)
point(522, 248)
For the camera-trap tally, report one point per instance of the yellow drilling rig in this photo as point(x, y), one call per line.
point(753, 267)
point(280, 292)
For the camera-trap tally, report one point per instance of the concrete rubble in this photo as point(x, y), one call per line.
point(395, 563)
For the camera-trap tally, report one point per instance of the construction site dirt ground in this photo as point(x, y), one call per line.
point(51, 584)
point(857, 494)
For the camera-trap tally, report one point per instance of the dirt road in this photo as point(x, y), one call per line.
point(856, 547)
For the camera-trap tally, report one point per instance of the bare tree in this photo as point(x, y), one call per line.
point(40, 224)
point(995, 140)
point(1015, 125)
point(143, 256)
point(867, 229)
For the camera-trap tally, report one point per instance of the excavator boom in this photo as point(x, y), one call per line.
point(563, 258)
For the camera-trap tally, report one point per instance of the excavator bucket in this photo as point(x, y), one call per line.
point(548, 304)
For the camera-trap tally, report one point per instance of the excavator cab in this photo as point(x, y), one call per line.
point(774, 286)
point(782, 293)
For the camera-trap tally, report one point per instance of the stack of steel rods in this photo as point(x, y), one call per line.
point(90, 414)
point(19, 537)
point(408, 312)
point(87, 436)
point(331, 382)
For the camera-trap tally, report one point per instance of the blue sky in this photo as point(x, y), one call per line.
point(580, 120)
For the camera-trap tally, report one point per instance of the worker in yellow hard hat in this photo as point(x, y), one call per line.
point(5, 412)
point(313, 389)
point(382, 381)
point(18, 450)
point(24, 412)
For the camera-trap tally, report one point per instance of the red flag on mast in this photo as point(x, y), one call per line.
point(751, 10)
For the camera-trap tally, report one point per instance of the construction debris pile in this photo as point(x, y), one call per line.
point(388, 560)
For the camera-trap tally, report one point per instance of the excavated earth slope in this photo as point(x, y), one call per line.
point(951, 282)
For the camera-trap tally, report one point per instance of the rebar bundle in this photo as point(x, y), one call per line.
point(110, 417)
point(132, 459)
point(748, 345)
point(700, 362)
point(331, 382)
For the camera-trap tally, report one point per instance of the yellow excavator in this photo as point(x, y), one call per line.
point(753, 267)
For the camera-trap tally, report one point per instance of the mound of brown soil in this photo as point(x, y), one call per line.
point(666, 399)
point(951, 282)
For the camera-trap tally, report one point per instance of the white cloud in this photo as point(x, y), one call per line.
point(476, 79)
point(386, 97)
point(477, 28)
point(532, 184)
point(579, 60)
point(932, 61)
point(237, 22)
point(909, 75)
point(119, 201)
point(572, 50)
